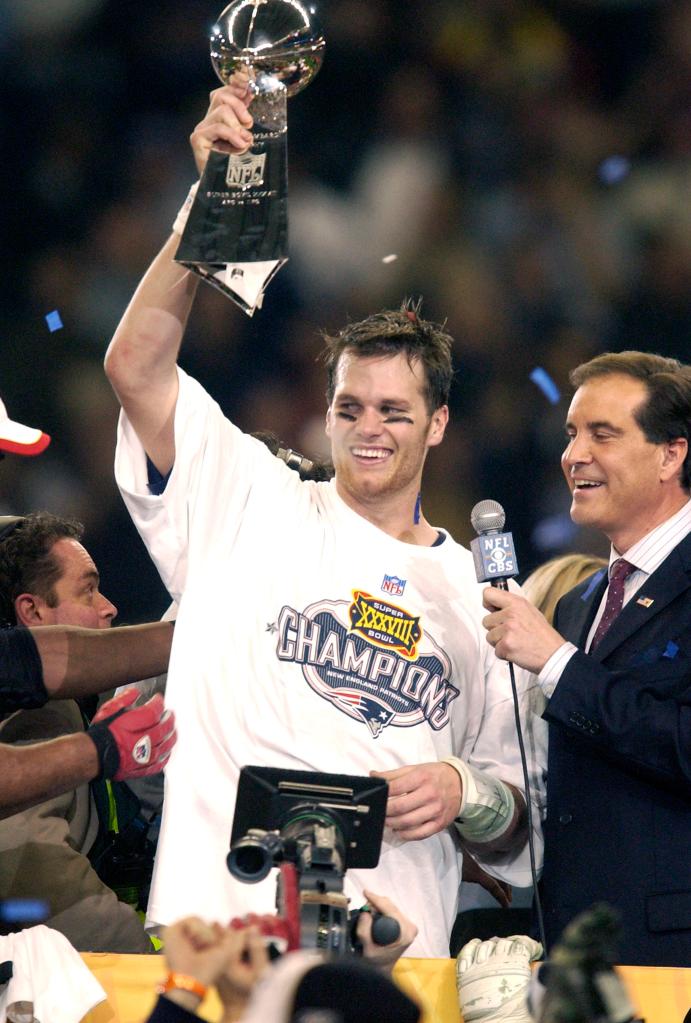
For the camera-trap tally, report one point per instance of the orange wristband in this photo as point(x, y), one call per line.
point(182, 982)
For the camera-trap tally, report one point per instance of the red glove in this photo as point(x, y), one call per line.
point(272, 928)
point(132, 743)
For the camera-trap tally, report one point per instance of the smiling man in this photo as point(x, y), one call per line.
point(385, 411)
point(616, 667)
point(61, 662)
point(350, 639)
point(47, 578)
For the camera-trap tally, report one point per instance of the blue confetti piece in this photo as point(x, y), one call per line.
point(543, 380)
point(53, 320)
point(671, 650)
point(614, 169)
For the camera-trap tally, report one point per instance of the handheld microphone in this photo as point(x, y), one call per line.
point(493, 551)
point(495, 563)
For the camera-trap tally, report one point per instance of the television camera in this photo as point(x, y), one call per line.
point(313, 827)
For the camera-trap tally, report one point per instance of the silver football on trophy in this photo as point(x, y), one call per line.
point(281, 38)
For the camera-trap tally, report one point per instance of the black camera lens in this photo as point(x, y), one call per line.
point(251, 859)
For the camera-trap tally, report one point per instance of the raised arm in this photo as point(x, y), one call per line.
point(141, 359)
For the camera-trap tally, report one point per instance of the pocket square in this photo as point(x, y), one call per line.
point(654, 654)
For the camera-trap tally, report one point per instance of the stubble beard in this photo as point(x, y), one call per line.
point(377, 487)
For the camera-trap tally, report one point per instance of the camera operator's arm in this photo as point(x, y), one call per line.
point(383, 956)
point(80, 662)
point(120, 744)
point(140, 362)
point(62, 661)
point(424, 799)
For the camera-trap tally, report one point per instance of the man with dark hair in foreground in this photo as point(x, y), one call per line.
point(47, 577)
point(615, 668)
point(63, 662)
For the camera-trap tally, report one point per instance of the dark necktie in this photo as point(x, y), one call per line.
point(621, 570)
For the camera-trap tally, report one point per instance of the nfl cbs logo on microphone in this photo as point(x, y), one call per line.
point(494, 556)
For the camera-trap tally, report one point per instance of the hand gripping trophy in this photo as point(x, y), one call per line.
point(236, 236)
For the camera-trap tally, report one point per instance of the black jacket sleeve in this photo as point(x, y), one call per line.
point(21, 672)
point(635, 711)
point(166, 1011)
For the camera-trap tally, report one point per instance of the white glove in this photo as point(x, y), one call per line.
point(492, 978)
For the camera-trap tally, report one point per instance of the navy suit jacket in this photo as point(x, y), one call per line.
point(618, 825)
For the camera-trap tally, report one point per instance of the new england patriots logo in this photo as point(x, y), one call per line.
point(371, 659)
point(374, 714)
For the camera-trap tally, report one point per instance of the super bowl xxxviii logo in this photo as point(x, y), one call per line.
point(371, 660)
point(384, 625)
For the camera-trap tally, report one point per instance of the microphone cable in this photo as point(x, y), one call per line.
point(529, 807)
point(487, 519)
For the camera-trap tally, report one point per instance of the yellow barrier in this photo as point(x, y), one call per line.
point(660, 995)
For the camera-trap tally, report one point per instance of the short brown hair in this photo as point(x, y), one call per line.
point(666, 415)
point(390, 332)
point(27, 564)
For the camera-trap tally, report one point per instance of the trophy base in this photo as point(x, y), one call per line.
point(243, 283)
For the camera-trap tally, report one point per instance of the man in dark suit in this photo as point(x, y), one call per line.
point(616, 668)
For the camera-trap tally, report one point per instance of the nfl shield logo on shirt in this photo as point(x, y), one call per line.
point(393, 585)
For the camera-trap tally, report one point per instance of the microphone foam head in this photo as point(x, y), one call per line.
point(487, 516)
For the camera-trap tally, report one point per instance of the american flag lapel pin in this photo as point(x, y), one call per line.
point(645, 601)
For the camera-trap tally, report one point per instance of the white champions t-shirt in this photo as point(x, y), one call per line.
point(308, 639)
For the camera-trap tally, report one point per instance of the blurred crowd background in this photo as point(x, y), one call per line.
point(527, 164)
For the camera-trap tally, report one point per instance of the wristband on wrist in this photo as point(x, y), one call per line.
point(487, 804)
point(106, 747)
point(182, 982)
point(184, 211)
